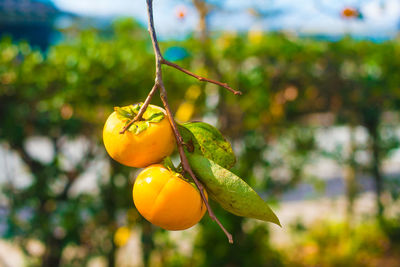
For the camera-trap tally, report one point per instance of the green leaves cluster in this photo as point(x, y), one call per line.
point(210, 159)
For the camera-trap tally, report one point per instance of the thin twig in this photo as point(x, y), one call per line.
point(200, 78)
point(142, 109)
point(163, 94)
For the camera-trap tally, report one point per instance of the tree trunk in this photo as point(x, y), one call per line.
point(376, 169)
point(202, 10)
point(147, 243)
point(350, 177)
point(111, 255)
point(207, 61)
point(52, 256)
point(110, 206)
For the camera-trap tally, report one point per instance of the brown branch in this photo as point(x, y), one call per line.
point(185, 163)
point(33, 165)
point(200, 78)
point(142, 109)
point(163, 94)
point(161, 60)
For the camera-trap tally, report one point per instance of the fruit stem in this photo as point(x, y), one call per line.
point(163, 95)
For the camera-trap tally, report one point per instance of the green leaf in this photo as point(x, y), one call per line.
point(230, 191)
point(192, 145)
point(212, 143)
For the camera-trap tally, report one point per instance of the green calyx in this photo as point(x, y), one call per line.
point(167, 163)
point(128, 113)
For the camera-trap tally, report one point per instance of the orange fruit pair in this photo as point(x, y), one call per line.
point(162, 196)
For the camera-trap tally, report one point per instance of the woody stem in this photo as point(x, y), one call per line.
point(163, 94)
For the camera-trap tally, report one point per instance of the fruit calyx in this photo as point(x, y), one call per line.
point(153, 114)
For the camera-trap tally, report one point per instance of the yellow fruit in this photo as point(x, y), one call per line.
point(145, 143)
point(165, 199)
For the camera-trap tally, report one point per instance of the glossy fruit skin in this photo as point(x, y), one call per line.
point(166, 200)
point(141, 150)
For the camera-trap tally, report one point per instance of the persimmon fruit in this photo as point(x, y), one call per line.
point(166, 199)
point(146, 142)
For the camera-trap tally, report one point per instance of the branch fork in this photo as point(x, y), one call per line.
point(158, 84)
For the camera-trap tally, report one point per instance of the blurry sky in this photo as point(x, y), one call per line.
point(381, 18)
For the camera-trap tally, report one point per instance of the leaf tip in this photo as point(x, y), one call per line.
point(276, 221)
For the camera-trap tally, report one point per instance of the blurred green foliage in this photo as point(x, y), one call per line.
point(335, 244)
point(66, 94)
